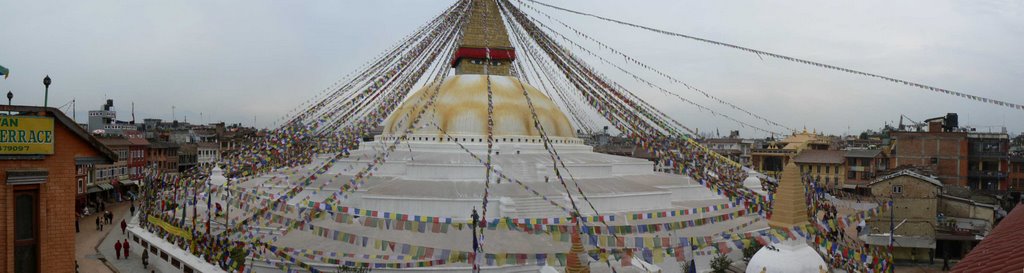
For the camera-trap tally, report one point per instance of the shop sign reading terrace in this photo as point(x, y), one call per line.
point(26, 135)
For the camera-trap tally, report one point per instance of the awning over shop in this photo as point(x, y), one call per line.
point(129, 182)
point(93, 189)
point(106, 186)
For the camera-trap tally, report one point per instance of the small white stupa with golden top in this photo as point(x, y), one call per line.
point(789, 209)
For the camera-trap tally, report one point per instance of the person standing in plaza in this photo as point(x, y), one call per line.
point(145, 258)
point(132, 208)
point(124, 225)
point(98, 225)
point(117, 249)
point(126, 248)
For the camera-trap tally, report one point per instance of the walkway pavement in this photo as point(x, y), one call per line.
point(88, 238)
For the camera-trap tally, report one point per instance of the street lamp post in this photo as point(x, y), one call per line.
point(46, 95)
point(10, 96)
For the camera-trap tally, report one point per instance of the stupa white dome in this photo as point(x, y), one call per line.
point(790, 256)
point(217, 176)
point(752, 182)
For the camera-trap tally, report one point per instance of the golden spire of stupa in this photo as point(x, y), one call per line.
point(484, 42)
point(788, 206)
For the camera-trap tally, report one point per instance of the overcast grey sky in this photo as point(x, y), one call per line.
point(235, 60)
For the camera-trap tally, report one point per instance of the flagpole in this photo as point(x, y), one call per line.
point(892, 228)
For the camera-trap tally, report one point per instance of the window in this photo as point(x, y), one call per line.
point(828, 169)
point(851, 175)
point(26, 230)
point(897, 189)
point(817, 168)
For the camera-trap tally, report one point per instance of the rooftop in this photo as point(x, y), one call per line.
point(163, 145)
point(866, 153)
point(907, 172)
point(1001, 250)
point(115, 141)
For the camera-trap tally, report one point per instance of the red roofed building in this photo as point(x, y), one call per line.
point(1002, 250)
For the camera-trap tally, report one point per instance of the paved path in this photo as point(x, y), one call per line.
point(89, 238)
point(105, 261)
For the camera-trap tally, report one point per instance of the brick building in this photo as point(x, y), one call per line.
point(163, 156)
point(39, 190)
point(110, 176)
point(944, 153)
point(863, 165)
point(1016, 176)
point(137, 151)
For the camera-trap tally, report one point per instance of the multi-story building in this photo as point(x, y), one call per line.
point(958, 156)
point(915, 209)
point(828, 167)
point(37, 195)
point(163, 157)
point(988, 161)
point(733, 147)
point(1016, 176)
point(137, 161)
point(863, 165)
point(772, 157)
point(111, 176)
point(188, 156)
point(944, 153)
point(209, 153)
point(104, 121)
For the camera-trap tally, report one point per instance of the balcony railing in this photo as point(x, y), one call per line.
point(987, 174)
point(993, 155)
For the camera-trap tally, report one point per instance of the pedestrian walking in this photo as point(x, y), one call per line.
point(124, 225)
point(117, 249)
point(132, 208)
point(126, 248)
point(145, 259)
point(98, 223)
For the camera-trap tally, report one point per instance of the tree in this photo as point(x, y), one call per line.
point(720, 263)
point(750, 250)
point(686, 266)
